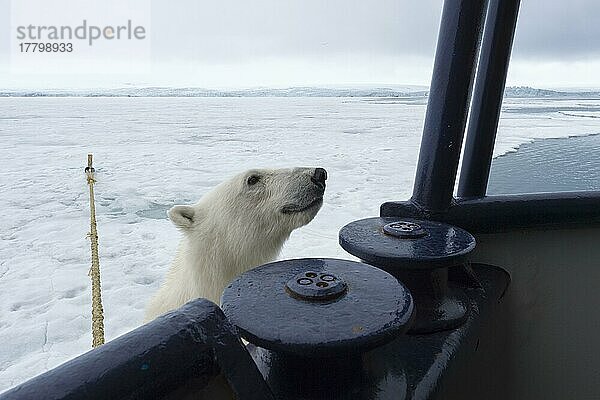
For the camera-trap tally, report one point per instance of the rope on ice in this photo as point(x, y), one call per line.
point(97, 310)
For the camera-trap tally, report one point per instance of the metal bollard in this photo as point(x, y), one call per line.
point(418, 253)
point(312, 322)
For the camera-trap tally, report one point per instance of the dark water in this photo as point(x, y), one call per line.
point(548, 165)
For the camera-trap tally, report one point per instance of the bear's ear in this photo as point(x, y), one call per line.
point(182, 216)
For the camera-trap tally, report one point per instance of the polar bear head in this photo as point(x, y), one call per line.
point(259, 205)
point(240, 224)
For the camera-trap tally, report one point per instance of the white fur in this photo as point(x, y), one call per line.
point(232, 229)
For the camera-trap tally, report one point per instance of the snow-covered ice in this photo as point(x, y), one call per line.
point(151, 153)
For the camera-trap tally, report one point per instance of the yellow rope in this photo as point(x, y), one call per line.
point(97, 311)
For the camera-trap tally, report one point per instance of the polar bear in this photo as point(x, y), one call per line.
point(240, 224)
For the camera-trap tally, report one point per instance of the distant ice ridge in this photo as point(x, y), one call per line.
point(392, 91)
point(307, 91)
point(526, 91)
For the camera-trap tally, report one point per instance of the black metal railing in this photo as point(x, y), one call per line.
point(442, 141)
point(495, 51)
point(448, 103)
point(192, 352)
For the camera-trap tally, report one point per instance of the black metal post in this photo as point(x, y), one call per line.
point(448, 105)
point(487, 97)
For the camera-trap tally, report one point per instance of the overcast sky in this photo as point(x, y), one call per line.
point(246, 43)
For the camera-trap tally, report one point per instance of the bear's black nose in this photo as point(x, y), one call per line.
point(319, 177)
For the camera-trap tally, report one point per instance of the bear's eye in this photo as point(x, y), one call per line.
point(253, 180)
